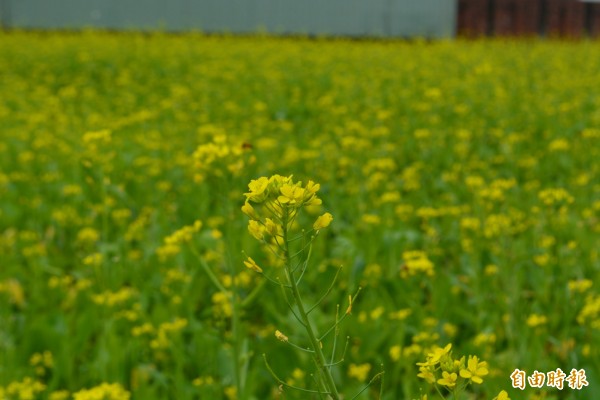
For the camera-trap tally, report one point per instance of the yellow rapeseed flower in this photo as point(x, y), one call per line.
point(291, 194)
point(250, 263)
point(113, 391)
point(502, 396)
point(536, 320)
point(323, 221)
point(360, 371)
point(426, 373)
point(249, 210)
point(257, 188)
point(434, 357)
point(395, 352)
point(448, 379)
point(475, 370)
point(281, 336)
point(256, 229)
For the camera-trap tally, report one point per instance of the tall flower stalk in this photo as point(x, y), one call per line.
point(274, 205)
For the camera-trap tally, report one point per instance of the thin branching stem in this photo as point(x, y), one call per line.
point(326, 293)
point(290, 305)
point(305, 266)
point(319, 384)
point(304, 247)
point(276, 282)
point(211, 275)
point(373, 379)
point(248, 300)
point(284, 383)
point(381, 380)
point(319, 358)
point(341, 360)
point(333, 348)
point(305, 349)
point(334, 326)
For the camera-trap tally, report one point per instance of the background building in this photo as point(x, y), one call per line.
point(570, 18)
point(430, 18)
point(380, 18)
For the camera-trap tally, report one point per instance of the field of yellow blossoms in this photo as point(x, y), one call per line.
point(458, 190)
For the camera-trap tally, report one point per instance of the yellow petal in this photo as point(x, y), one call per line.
point(250, 263)
point(323, 221)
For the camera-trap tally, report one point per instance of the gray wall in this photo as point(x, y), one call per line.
point(430, 18)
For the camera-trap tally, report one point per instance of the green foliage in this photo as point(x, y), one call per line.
point(462, 177)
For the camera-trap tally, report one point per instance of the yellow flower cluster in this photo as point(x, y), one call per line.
point(96, 146)
point(555, 196)
point(70, 287)
point(59, 395)
point(442, 369)
point(27, 389)
point(359, 372)
point(172, 243)
point(222, 304)
point(87, 235)
point(218, 156)
point(590, 313)
point(15, 292)
point(41, 362)
point(415, 262)
point(111, 299)
point(93, 260)
point(580, 285)
point(203, 381)
point(278, 191)
point(162, 336)
point(277, 201)
point(103, 136)
point(104, 391)
point(535, 320)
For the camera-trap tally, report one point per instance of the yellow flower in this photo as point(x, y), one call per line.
point(323, 221)
point(475, 370)
point(257, 188)
point(59, 395)
point(502, 396)
point(291, 194)
point(311, 197)
point(87, 236)
point(448, 379)
point(426, 373)
point(230, 392)
point(271, 227)
point(438, 353)
point(535, 320)
point(312, 188)
point(250, 263)
point(256, 229)
point(579, 285)
point(281, 336)
point(112, 391)
point(395, 352)
point(360, 372)
point(249, 210)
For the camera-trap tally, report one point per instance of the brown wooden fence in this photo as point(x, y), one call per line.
point(562, 18)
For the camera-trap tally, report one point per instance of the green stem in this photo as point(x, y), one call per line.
point(248, 300)
point(235, 327)
point(211, 275)
point(318, 355)
point(235, 320)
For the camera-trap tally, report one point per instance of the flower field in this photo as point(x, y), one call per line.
point(445, 196)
